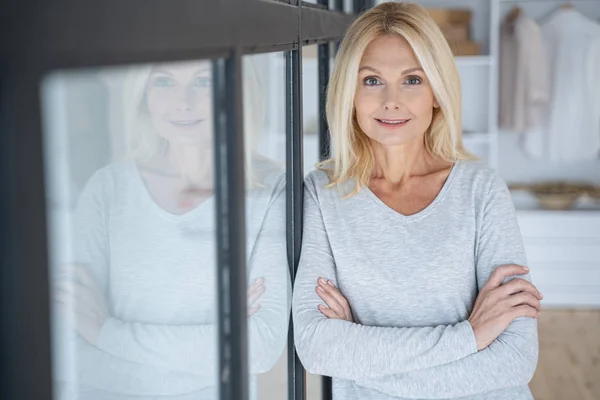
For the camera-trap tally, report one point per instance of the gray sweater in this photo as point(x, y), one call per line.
point(411, 282)
point(158, 273)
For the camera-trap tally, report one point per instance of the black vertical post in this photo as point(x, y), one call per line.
point(230, 224)
point(25, 354)
point(339, 6)
point(324, 147)
point(294, 193)
point(294, 202)
point(358, 6)
point(324, 59)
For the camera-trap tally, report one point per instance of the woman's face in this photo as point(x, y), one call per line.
point(393, 101)
point(179, 99)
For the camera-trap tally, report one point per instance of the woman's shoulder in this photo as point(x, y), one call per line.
point(106, 179)
point(267, 172)
point(318, 177)
point(478, 178)
point(317, 181)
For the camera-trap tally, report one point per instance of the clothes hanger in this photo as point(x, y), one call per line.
point(514, 14)
point(567, 6)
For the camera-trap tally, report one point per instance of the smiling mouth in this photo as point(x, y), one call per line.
point(189, 122)
point(392, 122)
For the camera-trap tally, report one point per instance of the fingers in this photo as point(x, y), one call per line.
point(85, 277)
point(253, 310)
point(336, 293)
point(502, 272)
point(519, 285)
point(525, 298)
point(523, 311)
point(334, 298)
point(75, 295)
point(255, 291)
point(328, 298)
point(256, 284)
point(329, 313)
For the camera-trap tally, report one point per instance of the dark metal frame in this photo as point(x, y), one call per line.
point(39, 36)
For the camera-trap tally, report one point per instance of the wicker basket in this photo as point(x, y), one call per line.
point(557, 201)
point(593, 192)
point(558, 195)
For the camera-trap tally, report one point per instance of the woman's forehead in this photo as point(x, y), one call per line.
point(183, 67)
point(389, 52)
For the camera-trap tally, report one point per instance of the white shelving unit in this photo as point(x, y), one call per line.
point(563, 247)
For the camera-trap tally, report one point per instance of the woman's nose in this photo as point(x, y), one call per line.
point(184, 99)
point(392, 99)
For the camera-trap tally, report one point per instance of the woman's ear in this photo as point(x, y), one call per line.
point(436, 104)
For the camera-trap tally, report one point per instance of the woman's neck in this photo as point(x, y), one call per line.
point(194, 164)
point(396, 164)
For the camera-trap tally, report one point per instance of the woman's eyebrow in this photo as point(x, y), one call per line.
point(415, 69)
point(162, 71)
point(370, 69)
point(198, 72)
point(407, 71)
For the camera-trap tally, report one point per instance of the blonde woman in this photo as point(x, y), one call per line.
point(411, 282)
point(142, 292)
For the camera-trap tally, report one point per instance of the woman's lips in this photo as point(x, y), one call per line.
point(392, 123)
point(186, 123)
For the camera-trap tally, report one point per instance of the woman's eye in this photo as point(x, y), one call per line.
point(202, 82)
point(413, 80)
point(370, 81)
point(163, 81)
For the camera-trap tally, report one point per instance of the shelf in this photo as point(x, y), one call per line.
point(468, 61)
point(526, 202)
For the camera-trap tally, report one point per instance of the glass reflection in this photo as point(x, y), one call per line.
point(134, 293)
point(264, 110)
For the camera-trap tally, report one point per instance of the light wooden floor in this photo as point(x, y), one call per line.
point(569, 363)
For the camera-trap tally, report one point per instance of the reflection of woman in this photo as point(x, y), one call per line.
point(144, 285)
point(401, 289)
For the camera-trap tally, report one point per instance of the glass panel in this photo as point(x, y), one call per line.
point(269, 284)
point(129, 166)
point(310, 118)
point(310, 106)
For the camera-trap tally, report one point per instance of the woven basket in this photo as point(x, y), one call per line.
point(593, 192)
point(558, 195)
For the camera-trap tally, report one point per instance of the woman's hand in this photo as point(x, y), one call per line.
point(254, 292)
point(337, 305)
point(497, 304)
point(78, 297)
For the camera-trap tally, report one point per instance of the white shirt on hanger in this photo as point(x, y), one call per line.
point(524, 84)
point(572, 128)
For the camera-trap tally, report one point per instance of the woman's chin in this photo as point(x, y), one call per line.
point(396, 139)
point(189, 138)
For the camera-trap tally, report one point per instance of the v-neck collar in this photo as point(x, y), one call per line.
point(412, 217)
point(149, 200)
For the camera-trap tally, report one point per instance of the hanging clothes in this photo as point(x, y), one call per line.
point(572, 128)
point(523, 74)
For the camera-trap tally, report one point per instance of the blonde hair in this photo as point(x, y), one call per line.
point(142, 141)
point(352, 155)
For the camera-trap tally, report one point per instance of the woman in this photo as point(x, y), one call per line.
point(143, 289)
point(401, 291)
